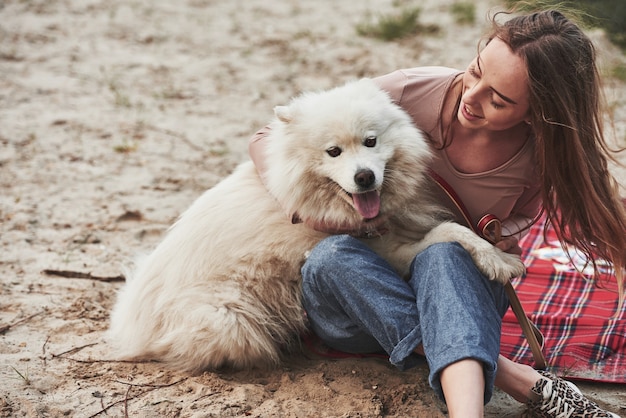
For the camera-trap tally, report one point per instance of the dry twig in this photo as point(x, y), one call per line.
point(64, 356)
point(5, 328)
point(151, 387)
point(80, 275)
point(73, 350)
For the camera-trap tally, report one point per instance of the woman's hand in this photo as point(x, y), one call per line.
point(509, 245)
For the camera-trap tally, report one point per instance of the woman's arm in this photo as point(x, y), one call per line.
point(518, 224)
point(256, 149)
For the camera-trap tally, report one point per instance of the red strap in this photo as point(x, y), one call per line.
point(490, 228)
point(453, 197)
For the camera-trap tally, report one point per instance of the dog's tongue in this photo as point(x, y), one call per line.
point(367, 204)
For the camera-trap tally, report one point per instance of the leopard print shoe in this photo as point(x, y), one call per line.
point(559, 398)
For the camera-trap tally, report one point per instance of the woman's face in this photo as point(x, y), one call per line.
point(495, 89)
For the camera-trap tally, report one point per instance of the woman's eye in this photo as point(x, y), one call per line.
point(496, 104)
point(334, 151)
point(370, 141)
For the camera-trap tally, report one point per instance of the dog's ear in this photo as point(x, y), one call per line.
point(283, 113)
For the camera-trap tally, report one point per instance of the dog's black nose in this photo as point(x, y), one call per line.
point(364, 178)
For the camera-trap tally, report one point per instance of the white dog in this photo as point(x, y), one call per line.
point(223, 287)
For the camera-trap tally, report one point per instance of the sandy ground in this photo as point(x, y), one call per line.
point(114, 116)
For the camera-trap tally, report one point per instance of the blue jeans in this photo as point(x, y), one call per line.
point(357, 303)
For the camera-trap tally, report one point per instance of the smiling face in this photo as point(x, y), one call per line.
point(495, 89)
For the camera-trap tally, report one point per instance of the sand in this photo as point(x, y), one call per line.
point(114, 116)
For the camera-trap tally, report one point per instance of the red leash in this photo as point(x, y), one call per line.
point(490, 228)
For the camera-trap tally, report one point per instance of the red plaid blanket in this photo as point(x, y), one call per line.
point(585, 335)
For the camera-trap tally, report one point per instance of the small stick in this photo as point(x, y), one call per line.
point(126, 401)
point(43, 350)
point(148, 385)
point(80, 275)
point(73, 350)
point(5, 328)
point(127, 398)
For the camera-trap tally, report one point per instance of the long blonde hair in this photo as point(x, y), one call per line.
point(580, 196)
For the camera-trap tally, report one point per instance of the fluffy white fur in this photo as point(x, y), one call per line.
point(223, 287)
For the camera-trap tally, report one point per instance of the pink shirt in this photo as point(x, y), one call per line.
point(510, 191)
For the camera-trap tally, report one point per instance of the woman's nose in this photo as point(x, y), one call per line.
point(472, 92)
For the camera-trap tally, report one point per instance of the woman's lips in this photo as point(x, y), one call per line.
point(468, 114)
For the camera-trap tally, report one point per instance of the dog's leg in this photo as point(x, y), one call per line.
point(491, 261)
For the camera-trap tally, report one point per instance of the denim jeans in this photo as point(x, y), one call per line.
point(357, 303)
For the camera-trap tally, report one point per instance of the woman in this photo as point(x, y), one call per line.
point(517, 133)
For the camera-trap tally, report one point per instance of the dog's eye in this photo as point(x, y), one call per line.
point(334, 151)
point(370, 141)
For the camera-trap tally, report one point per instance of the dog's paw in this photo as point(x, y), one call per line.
point(498, 265)
point(494, 263)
